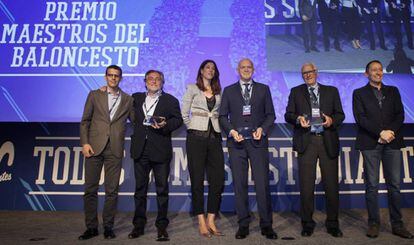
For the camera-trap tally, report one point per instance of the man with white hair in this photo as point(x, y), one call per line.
point(315, 111)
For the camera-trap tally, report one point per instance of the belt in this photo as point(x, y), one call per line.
point(205, 114)
point(316, 134)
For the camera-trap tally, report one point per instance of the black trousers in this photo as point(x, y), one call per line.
point(205, 155)
point(404, 17)
point(259, 163)
point(352, 22)
point(330, 28)
point(309, 29)
point(93, 168)
point(161, 171)
point(307, 176)
point(376, 18)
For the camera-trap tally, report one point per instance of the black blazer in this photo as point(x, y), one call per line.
point(306, 8)
point(262, 112)
point(330, 105)
point(326, 11)
point(371, 119)
point(158, 140)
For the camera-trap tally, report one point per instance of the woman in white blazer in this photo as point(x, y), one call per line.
point(201, 103)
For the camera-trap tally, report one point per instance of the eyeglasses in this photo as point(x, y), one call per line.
point(113, 75)
point(156, 79)
point(308, 72)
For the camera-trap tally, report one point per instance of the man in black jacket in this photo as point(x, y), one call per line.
point(379, 114)
point(157, 115)
point(371, 13)
point(400, 11)
point(315, 111)
point(307, 10)
point(330, 19)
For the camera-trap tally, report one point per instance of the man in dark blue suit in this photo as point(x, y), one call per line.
point(246, 116)
point(379, 114)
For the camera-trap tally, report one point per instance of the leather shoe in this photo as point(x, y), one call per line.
point(88, 234)
point(335, 232)
point(269, 233)
point(242, 233)
point(109, 233)
point(162, 235)
point(136, 232)
point(307, 232)
point(373, 231)
point(314, 49)
point(402, 232)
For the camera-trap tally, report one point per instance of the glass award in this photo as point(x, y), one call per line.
point(246, 132)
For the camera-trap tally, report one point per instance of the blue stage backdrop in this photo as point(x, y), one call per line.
point(41, 168)
point(53, 53)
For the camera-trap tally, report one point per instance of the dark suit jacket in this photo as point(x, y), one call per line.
point(371, 119)
point(158, 140)
point(96, 127)
point(365, 4)
point(330, 104)
point(325, 11)
point(262, 112)
point(306, 8)
point(406, 9)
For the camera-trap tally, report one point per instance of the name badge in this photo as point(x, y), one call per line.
point(316, 112)
point(247, 110)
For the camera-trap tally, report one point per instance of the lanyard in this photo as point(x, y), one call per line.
point(113, 105)
point(153, 104)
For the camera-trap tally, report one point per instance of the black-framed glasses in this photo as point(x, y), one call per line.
point(308, 72)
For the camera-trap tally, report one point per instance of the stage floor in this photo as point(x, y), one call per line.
point(20, 227)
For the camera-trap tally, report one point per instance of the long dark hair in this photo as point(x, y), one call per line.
point(215, 81)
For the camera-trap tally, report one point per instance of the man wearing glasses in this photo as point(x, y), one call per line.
point(102, 134)
point(315, 111)
point(158, 114)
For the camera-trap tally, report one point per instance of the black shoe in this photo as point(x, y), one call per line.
point(383, 47)
point(402, 232)
point(327, 49)
point(242, 233)
point(314, 49)
point(410, 46)
point(109, 233)
point(335, 232)
point(88, 234)
point(307, 50)
point(162, 235)
point(269, 233)
point(337, 48)
point(307, 232)
point(136, 232)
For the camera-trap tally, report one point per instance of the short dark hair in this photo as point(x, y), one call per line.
point(371, 62)
point(114, 67)
point(154, 71)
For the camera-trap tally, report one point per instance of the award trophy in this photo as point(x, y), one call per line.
point(153, 120)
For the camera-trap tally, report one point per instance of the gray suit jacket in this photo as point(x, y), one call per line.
point(195, 104)
point(96, 127)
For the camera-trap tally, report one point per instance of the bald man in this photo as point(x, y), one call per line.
point(246, 116)
point(315, 111)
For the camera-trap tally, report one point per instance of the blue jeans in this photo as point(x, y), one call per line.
point(391, 162)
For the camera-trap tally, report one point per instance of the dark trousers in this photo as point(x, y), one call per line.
point(404, 17)
point(205, 155)
point(161, 171)
point(391, 165)
point(330, 28)
point(259, 163)
point(93, 168)
point(307, 176)
point(309, 28)
point(376, 18)
point(352, 22)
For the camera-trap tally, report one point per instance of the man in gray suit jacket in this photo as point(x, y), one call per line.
point(102, 134)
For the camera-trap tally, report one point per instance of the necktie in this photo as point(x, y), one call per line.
point(246, 95)
point(313, 96)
